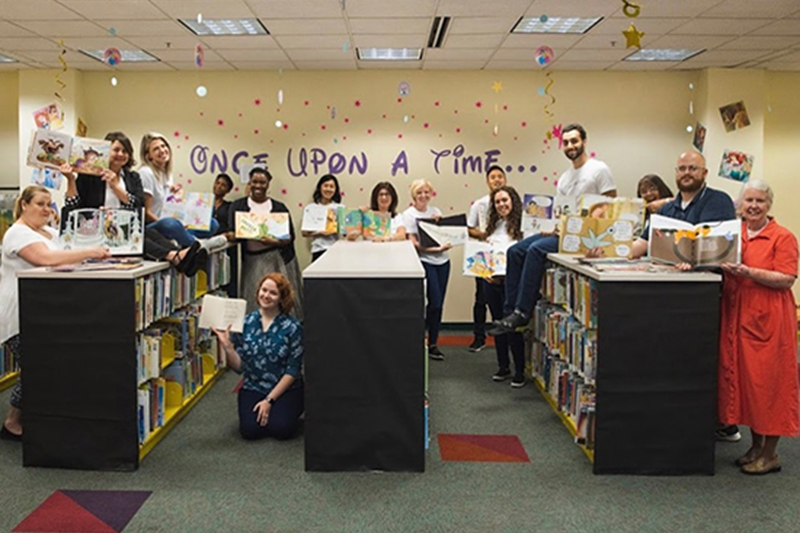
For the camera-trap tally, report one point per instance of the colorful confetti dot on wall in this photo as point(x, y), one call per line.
point(256, 132)
point(399, 100)
point(257, 101)
point(240, 115)
point(323, 127)
point(426, 125)
point(306, 102)
point(176, 134)
point(593, 154)
point(533, 168)
point(346, 120)
point(285, 126)
point(357, 103)
point(220, 122)
point(524, 124)
point(436, 104)
point(479, 104)
point(369, 132)
point(399, 135)
point(186, 138)
point(458, 130)
point(283, 191)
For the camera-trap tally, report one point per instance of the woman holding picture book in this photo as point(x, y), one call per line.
point(326, 195)
point(383, 201)
point(121, 187)
point(28, 243)
point(264, 252)
point(269, 352)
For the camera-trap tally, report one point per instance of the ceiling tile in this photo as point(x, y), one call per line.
point(326, 65)
point(27, 43)
point(482, 8)
point(782, 27)
point(569, 8)
point(530, 42)
point(746, 9)
point(10, 30)
point(171, 56)
point(236, 41)
point(160, 43)
point(520, 54)
point(326, 54)
point(211, 9)
point(652, 26)
point(604, 42)
point(208, 67)
point(312, 41)
point(490, 41)
point(390, 41)
point(35, 10)
point(441, 54)
point(147, 28)
point(116, 10)
point(761, 42)
point(389, 65)
point(263, 65)
point(510, 65)
point(594, 55)
point(253, 55)
point(65, 28)
point(308, 26)
point(704, 26)
point(453, 65)
point(383, 26)
point(145, 66)
point(95, 43)
point(470, 25)
point(581, 65)
point(45, 56)
point(642, 65)
point(296, 9)
point(691, 42)
point(380, 8)
point(674, 9)
point(731, 57)
point(783, 66)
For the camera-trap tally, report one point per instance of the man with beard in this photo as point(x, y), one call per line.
point(525, 261)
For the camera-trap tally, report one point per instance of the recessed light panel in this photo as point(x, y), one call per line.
point(555, 24)
point(662, 55)
point(6, 59)
point(389, 54)
point(225, 27)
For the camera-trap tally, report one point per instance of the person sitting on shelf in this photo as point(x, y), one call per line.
point(758, 384)
point(28, 243)
point(654, 192)
point(269, 353)
point(527, 258)
point(223, 184)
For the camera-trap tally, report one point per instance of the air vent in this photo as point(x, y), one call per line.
point(438, 31)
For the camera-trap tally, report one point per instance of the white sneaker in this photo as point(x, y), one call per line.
point(217, 241)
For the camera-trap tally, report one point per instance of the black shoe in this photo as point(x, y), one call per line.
point(186, 262)
point(435, 353)
point(477, 344)
point(199, 260)
point(5, 434)
point(509, 323)
point(501, 375)
point(518, 381)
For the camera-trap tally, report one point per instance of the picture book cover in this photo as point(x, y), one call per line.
point(119, 230)
point(736, 166)
point(257, 225)
point(220, 312)
point(452, 229)
point(349, 219)
point(193, 209)
point(581, 234)
point(49, 149)
point(320, 218)
point(707, 244)
point(47, 177)
point(89, 156)
point(484, 259)
point(628, 209)
point(375, 224)
point(538, 214)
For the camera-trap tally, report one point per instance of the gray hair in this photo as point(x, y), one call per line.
point(758, 185)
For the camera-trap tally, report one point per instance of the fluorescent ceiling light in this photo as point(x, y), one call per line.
point(389, 54)
point(127, 56)
point(6, 59)
point(662, 55)
point(555, 24)
point(225, 27)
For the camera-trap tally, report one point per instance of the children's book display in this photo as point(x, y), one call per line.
point(707, 244)
point(346, 221)
point(194, 209)
point(485, 259)
point(119, 230)
point(581, 234)
point(434, 233)
point(51, 149)
point(599, 206)
point(113, 263)
point(251, 225)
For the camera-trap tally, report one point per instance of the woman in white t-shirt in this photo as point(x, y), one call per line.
point(28, 243)
point(326, 193)
point(503, 230)
point(435, 261)
point(156, 176)
point(384, 200)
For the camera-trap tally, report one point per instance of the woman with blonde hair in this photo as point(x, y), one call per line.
point(156, 176)
point(435, 260)
point(28, 243)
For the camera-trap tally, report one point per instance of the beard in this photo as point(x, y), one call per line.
point(574, 153)
point(695, 185)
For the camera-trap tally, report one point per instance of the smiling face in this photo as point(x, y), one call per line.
point(572, 144)
point(384, 200)
point(158, 153)
point(37, 212)
point(269, 296)
point(503, 204)
point(119, 157)
point(690, 172)
point(648, 192)
point(259, 186)
point(754, 207)
point(421, 197)
point(496, 179)
point(328, 189)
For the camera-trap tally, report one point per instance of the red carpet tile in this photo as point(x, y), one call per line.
point(482, 448)
point(84, 511)
point(462, 340)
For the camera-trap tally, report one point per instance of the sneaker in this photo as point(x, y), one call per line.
point(518, 381)
point(509, 323)
point(477, 344)
point(501, 375)
point(435, 353)
point(728, 434)
point(214, 242)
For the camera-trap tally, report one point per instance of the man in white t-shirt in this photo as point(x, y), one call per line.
point(476, 226)
point(526, 260)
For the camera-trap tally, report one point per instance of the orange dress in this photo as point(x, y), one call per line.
point(758, 380)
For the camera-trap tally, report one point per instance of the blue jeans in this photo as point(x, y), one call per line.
point(436, 277)
point(525, 265)
point(173, 229)
point(284, 415)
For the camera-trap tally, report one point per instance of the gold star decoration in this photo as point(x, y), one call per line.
point(633, 37)
point(497, 87)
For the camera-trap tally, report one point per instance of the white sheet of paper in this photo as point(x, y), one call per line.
point(455, 235)
point(315, 217)
point(219, 312)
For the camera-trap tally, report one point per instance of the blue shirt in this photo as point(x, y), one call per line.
point(709, 205)
point(268, 355)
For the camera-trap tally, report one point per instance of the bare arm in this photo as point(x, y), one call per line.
point(40, 255)
point(233, 358)
point(149, 216)
point(475, 233)
point(768, 278)
point(638, 249)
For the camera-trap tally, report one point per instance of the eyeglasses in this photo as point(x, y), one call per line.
point(689, 168)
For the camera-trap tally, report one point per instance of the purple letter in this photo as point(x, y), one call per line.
point(303, 162)
point(443, 153)
point(198, 157)
point(400, 162)
point(361, 167)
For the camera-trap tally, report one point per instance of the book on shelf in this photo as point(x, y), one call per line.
point(51, 149)
point(437, 232)
point(219, 313)
point(193, 209)
point(707, 244)
point(256, 226)
point(113, 263)
point(118, 229)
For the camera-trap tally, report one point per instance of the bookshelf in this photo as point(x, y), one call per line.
point(121, 364)
point(628, 361)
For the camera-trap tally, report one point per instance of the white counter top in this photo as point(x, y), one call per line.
point(366, 259)
point(571, 262)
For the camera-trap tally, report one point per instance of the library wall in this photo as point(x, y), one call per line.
point(9, 96)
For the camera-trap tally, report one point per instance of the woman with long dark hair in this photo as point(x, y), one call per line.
point(326, 193)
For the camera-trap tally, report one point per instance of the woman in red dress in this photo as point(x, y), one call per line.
point(758, 380)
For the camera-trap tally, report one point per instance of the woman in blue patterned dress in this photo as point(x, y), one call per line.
point(270, 354)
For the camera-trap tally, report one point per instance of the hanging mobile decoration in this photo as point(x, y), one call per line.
point(547, 93)
point(59, 81)
point(199, 56)
point(631, 9)
point(544, 55)
point(112, 56)
point(404, 89)
point(333, 112)
point(280, 96)
point(633, 37)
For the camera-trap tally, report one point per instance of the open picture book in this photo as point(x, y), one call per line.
point(452, 229)
point(484, 259)
point(578, 235)
point(258, 225)
point(120, 230)
point(51, 149)
point(193, 209)
point(707, 244)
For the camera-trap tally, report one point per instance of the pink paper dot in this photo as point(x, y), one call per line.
point(524, 124)
point(399, 100)
point(342, 193)
point(357, 103)
point(257, 101)
point(384, 115)
point(236, 189)
point(235, 136)
point(466, 185)
point(283, 191)
point(458, 130)
point(186, 138)
point(505, 108)
point(286, 126)
point(346, 120)
point(436, 104)
point(306, 102)
point(256, 132)
point(189, 181)
point(545, 178)
point(300, 204)
point(303, 134)
point(544, 151)
point(344, 138)
point(177, 134)
point(515, 138)
point(455, 111)
point(426, 125)
point(277, 109)
point(486, 121)
point(440, 135)
point(399, 135)
point(413, 117)
point(451, 208)
point(369, 132)
point(220, 122)
point(328, 107)
point(240, 115)
point(180, 175)
point(593, 154)
point(202, 114)
point(433, 194)
point(478, 104)
point(361, 189)
point(323, 127)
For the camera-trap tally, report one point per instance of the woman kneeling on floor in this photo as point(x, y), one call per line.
point(270, 354)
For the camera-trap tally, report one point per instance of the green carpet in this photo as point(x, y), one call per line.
point(205, 478)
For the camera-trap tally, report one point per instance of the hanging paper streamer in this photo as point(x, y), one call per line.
point(544, 55)
point(333, 112)
point(112, 56)
point(199, 55)
point(404, 89)
point(59, 81)
point(631, 9)
point(280, 96)
point(547, 93)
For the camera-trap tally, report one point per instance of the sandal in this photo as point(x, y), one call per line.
point(185, 264)
point(197, 260)
point(5, 434)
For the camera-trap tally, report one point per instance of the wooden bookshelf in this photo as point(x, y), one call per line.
point(8, 380)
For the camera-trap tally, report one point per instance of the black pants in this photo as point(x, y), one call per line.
point(156, 246)
point(479, 311)
point(495, 294)
point(283, 416)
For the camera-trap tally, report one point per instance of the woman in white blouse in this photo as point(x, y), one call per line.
point(28, 243)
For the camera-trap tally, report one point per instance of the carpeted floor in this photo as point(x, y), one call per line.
point(203, 477)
